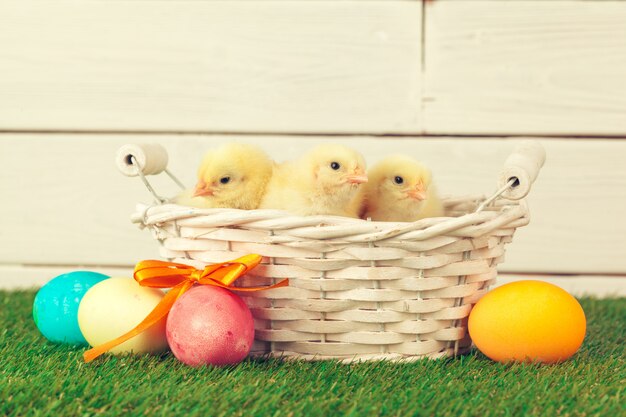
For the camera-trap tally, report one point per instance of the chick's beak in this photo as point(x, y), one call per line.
point(418, 193)
point(202, 190)
point(356, 178)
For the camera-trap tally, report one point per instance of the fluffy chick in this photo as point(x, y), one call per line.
point(323, 181)
point(400, 189)
point(234, 175)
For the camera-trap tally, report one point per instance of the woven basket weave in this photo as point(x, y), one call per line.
point(358, 290)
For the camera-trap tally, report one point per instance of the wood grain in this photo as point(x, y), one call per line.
point(525, 67)
point(65, 203)
point(185, 66)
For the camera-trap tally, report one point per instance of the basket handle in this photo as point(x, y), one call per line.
point(147, 158)
point(521, 169)
point(144, 159)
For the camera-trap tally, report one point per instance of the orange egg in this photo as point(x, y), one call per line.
point(527, 321)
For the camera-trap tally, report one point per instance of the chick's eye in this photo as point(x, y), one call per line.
point(335, 165)
point(225, 180)
point(398, 180)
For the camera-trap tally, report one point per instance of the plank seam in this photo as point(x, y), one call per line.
point(317, 135)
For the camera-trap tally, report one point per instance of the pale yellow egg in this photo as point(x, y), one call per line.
point(113, 307)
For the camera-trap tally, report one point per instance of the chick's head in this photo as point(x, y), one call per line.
point(400, 178)
point(337, 168)
point(234, 175)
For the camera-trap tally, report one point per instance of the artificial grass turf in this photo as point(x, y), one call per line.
point(40, 378)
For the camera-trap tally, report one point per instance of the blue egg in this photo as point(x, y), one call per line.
point(55, 309)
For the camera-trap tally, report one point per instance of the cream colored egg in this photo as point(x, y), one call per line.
point(113, 307)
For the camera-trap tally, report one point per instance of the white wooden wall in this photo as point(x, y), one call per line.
point(454, 83)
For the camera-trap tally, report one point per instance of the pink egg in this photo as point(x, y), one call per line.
point(210, 325)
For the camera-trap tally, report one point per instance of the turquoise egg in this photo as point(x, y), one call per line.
point(55, 309)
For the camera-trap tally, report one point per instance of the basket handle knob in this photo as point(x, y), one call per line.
point(522, 166)
point(149, 158)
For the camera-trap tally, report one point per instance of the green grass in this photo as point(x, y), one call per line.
point(40, 378)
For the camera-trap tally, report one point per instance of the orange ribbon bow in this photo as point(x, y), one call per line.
point(181, 277)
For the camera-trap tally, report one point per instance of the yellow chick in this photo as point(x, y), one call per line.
point(400, 190)
point(234, 175)
point(323, 181)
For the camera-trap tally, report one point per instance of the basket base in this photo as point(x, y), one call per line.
point(293, 356)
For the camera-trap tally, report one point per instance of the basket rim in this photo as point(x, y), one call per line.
point(281, 224)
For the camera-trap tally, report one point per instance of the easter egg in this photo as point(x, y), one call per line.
point(55, 309)
point(210, 325)
point(527, 321)
point(113, 307)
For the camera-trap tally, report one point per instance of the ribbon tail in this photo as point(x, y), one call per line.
point(282, 283)
point(161, 310)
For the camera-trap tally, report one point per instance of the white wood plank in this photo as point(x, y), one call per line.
point(525, 67)
point(243, 66)
point(577, 285)
point(18, 277)
point(65, 203)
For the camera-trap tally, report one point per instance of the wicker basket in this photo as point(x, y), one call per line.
point(359, 290)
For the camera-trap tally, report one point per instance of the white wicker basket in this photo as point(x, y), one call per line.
point(359, 290)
